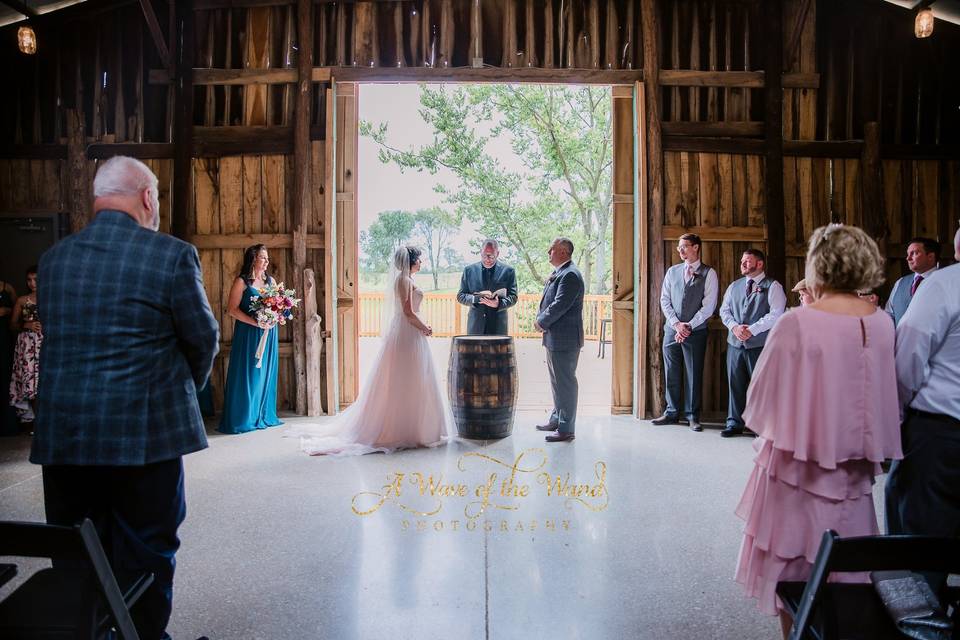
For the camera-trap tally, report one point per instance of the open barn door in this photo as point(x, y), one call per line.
point(626, 248)
point(341, 243)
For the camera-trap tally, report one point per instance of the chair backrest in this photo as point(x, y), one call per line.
point(872, 553)
point(80, 546)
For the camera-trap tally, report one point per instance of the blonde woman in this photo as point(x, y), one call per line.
point(823, 402)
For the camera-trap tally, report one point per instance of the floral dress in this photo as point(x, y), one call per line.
point(26, 363)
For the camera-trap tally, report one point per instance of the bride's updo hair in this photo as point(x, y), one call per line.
point(410, 255)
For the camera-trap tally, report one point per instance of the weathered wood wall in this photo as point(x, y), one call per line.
point(870, 129)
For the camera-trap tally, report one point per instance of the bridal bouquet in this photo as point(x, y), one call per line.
point(273, 306)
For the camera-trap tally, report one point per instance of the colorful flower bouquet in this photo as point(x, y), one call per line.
point(274, 305)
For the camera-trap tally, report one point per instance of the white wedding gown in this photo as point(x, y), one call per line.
point(400, 406)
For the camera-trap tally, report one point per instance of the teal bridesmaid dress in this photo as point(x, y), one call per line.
point(250, 396)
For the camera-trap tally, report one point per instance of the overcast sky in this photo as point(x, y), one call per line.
point(382, 187)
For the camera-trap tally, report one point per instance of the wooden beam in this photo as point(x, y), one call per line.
point(34, 151)
point(223, 141)
point(244, 240)
point(488, 74)
point(729, 129)
point(183, 223)
point(78, 197)
point(815, 149)
point(19, 7)
point(651, 59)
point(872, 182)
point(740, 146)
point(302, 202)
point(799, 80)
point(716, 234)
point(773, 130)
point(143, 151)
point(155, 32)
point(695, 78)
point(203, 76)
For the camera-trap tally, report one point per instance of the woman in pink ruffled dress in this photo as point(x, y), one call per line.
point(823, 402)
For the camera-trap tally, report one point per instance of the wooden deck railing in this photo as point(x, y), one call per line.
point(449, 318)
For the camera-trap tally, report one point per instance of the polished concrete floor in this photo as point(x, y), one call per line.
point(533, 382)
point(272, 548)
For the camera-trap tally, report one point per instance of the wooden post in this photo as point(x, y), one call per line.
point(78, 186)
point(183, 223)
point(773, 129)
point(313, 341)
point(651, 66)
point(873, 210)
point(302, 197)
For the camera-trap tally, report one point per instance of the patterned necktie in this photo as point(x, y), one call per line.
point(917, 279)
point(689, 275)
point(749, 286)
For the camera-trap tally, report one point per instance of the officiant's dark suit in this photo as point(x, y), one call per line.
point(484, 320)
point(128, 337)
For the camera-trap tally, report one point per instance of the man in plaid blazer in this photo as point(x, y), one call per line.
point(561, 320)
point(128, 337)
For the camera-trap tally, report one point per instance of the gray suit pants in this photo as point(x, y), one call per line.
point(678, 356)
point(562, 366)
point(740, 365)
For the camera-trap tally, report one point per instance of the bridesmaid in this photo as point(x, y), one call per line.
point(250, 396)
point(8, 418)
point(26, 354)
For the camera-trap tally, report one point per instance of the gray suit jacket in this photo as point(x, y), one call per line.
point(561, 310)
point(504, 277)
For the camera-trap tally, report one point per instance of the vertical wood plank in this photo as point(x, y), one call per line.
point(651, 52)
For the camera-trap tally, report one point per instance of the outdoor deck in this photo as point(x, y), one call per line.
point(593, 373)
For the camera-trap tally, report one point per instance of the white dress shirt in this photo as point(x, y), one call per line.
point(776, 299)
point(889, 306)
point(928, 345)
point(711, 290)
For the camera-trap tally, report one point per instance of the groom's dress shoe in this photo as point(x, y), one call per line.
point(557, 436)
point(731, 431)
point(695, 425)
point(666, 419)
point(547, 427)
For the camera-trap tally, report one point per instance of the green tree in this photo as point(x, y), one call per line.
point(563, 138)
point(390, 230)
point(436, 228)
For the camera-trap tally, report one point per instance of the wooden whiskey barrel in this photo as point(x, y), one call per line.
point(482, 385)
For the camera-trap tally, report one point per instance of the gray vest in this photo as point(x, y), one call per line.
point(747, 310)
point(687, 297)
point(901, 297)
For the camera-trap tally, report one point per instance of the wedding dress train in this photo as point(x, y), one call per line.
point(400, 406)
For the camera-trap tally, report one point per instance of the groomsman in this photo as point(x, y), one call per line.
point(489, 288)
point(750, 308)
point(560, 318)
point(923, 489)
point(922, 254)
point(688, 298)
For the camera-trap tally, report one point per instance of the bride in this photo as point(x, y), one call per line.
point(401, 405)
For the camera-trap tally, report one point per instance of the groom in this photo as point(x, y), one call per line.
point(561, 320)
point(489, 288)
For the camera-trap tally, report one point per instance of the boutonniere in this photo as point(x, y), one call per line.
point(756, 289)
point(553, 276)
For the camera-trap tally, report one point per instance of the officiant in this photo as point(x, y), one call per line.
point(489, 288)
